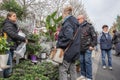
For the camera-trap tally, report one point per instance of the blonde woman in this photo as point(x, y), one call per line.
point(69, 27)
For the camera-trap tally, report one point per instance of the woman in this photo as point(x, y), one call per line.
point(69, 27)
point(10, 28)
point(106, 45)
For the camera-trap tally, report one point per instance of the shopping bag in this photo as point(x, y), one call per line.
point(57, 55)
point(21, 49)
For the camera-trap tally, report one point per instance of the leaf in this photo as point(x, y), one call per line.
point(53, 14)
point(58, 19)
point(12, 5)
point(4, 46)
point(51, 24)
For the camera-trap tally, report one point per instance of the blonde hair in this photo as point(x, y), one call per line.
point(68, 9)
point(10, 14)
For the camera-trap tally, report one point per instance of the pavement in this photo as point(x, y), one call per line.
point(107, 74)
point(99, 73)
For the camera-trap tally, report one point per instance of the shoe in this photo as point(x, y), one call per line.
point(104, 67)
point(81, 78)
point(110, 68)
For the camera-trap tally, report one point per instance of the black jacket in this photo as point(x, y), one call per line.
point(116, 38)
point(88, 36)
point(11, 29)
point(66, 34)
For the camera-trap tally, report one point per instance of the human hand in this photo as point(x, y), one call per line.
point(91, 48)
point(26, 41)
point(55, 47)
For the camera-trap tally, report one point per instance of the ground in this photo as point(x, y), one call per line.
point(107, 74)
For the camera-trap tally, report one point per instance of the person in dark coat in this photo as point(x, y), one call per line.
point(69, 27)
point(10, 29)
point(105, 40)
point(116, 41)
point(88, 42)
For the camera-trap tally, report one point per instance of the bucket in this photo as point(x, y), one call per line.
point(3, 60)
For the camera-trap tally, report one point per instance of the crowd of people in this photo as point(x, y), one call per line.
point(88, 42)
point(81, 48)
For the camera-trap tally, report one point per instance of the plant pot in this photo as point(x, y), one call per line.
point(43, 55)
point(33, 57)
point(3, 60)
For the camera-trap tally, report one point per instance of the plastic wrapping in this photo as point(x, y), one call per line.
point(21, 49)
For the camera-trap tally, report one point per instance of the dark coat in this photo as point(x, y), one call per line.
point(116, 41)
point(11, 29)
point(116, 38)
point(88, 36)
point(66, 34)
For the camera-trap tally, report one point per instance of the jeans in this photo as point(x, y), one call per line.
point(109, 55)
point(86, 64)
point(64, 68)
point(8, 71)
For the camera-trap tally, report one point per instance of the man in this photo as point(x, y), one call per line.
point(69, 27)
point(105, 40)
point(88, 41)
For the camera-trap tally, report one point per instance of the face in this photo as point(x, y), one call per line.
point(80, 19)
point(63, 15)
point(105, 29)
point(13, 17)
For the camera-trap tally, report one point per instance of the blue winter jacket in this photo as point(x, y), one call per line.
point(69, 27)
point(105, 41)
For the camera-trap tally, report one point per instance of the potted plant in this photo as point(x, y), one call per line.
point(77, 65)
point(4, 46)
point(33, 48)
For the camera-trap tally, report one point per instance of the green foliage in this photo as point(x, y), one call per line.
point(51, 23)
point(118, 22)
point(1, 21)
point(12, 5)
point(33, 37)
point(77, 63)
point(4, 46)
point(28, 71)
point(34, 46)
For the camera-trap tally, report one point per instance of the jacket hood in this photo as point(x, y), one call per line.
point(72, 19)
